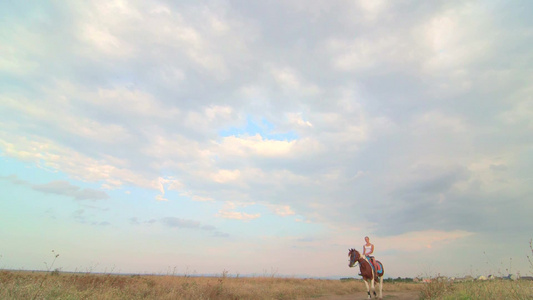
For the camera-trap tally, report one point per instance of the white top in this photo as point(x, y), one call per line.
point(367, 249)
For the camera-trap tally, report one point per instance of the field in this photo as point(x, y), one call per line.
point(56, 285)
point(493, 289)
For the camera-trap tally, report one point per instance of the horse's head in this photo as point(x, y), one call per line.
point(354, 257)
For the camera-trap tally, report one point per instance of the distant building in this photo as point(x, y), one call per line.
point(512, 277)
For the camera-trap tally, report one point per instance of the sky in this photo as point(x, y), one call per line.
point(266, 137)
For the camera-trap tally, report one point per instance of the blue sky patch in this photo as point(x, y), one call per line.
point(264, 128)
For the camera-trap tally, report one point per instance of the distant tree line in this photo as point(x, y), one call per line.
point(399, 279)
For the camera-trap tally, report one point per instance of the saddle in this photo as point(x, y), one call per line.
point(376, 267)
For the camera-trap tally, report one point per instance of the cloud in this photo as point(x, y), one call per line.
point(136, 221)
point(237, 215)
point(223, 176)
point(64, 188)
point(256, 145)
point(14, 179)
point(104, 223)
point(180, 223)
point(220, 234)
point(174, 222)
point(81, 216)
point(397, 118)
point(417, 240)
point(430, 179)
point(60, 187)
point(521, 113)
point(45, 152)
point(284, 210)
point(160, 185)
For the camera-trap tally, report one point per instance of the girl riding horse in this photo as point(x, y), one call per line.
point(368, 250)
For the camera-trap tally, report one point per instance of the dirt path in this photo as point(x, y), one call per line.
point(403, 295)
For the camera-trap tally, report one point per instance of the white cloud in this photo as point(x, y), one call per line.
point(521, 112)
point(366, 53)
point(417, 240)
point(11, 62)
point(209, 117)
point(171, 183)
point(69, 161)
point(229, 211)
point(237, 215)
point(61, 187)
point(134, 102)
point(415, 114)
point(160, 198)
point(283, 210)
point(55, 110)
point(289, 80)
point(255, 145)
point(434, 121)
point(161, 9)
point(448, 35)
point(372, 8)
point(223, 176)
point(200, 198)
point(105, 41)
point(296, 118)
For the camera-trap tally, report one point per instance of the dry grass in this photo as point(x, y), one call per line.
point(57, 285)
point(493, 289)
point(44, 285)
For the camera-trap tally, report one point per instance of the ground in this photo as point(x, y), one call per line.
point(401, 295)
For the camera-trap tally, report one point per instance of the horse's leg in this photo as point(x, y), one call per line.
point(373, 287)
point(381, 287)
point(367, 288)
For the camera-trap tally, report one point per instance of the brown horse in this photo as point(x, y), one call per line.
point(369, 275)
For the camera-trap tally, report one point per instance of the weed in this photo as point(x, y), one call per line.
point(528, 257)
point(48, 272)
